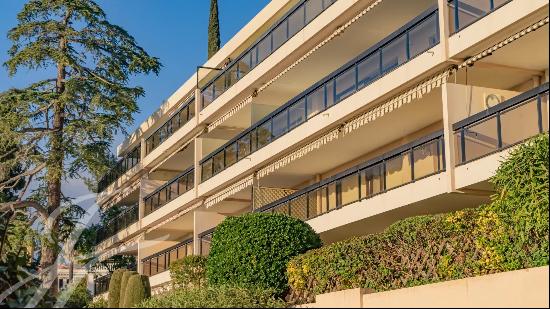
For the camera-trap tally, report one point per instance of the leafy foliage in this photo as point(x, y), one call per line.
point(215, 297)
point(76, 295)
point(123, 286)
point(189, 271)
point(137, 290)
point(114, 288)
point(98, 303)
point(254, 249)
point(213, 29)
point(509, 233)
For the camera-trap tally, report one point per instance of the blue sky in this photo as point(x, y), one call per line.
point(173, 30)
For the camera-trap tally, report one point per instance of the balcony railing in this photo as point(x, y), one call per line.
point(409, 163)
point(178, 120)
point(169, 191)
point(205, 239)
point(160, 262)
point(463, 13)
point(119, 223)
point(101, 284)
point(503, 125)
point(290, 24)
point(122, 166)
point(414, 38)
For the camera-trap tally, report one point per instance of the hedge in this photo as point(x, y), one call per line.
point(76, 295)
point(138, 290)
point(98, 303)
point(215, 297)
point(123, 285)
point(114, 288)
point(509, 233)
point(189, 271)
point(254, 249)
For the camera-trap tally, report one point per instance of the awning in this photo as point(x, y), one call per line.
point(229, 191)
point(487, 52)
point(175, 216)
point(329, 38)
point(396, 102)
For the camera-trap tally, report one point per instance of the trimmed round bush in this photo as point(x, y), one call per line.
point(123, 285)
point(254, 249)
point(114, 288)
point(137, 290)
point(189, 271)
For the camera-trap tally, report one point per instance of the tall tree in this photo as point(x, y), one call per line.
point(63, 125)
point(213, 29)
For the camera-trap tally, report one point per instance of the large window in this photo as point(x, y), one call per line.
point(169, 191)
point(465, 12)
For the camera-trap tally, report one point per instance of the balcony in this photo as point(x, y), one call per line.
point(119, 223)
point(179, 119)
point(169, 191)
point(101, 284)
point(122, 166)
point(463, 13)
point(160, 262)
point(290, 24)
point(409, 163)
point(205, 239)
point(409, 41)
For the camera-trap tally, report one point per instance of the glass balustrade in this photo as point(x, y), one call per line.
point(101, 284)
point(296, 19)
point(402, 166)
point(205, 239)
point(121, 167)
point(119, 223)
point(462, 13)
point(160, 262)
point(502, 125)
point(411, 40)
point(169, 191)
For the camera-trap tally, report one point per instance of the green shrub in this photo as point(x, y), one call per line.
point(189, 271)
point(137, 290)
point(123, 285)
point(114, 288)
point(254, 249)
point(76, 295)
point(215, 297)
point(509, 233)
point(98, 303)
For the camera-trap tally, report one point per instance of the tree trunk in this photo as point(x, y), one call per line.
point(50, 248)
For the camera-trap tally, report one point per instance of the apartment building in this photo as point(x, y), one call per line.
point(347, 114)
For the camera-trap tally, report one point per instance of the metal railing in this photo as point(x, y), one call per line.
point(205, 239)
point(463, 13)
point(179, 119)
point(101, 284)
point(161, 261)
point(169, 191)
point(121, 167)
point(414, 38)
point(407, 164)
point(503, 125)
point(290, 24)
point(118, 223)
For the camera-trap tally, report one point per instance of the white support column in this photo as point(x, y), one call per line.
point(197, 166)
point(443, 12)
point(450, 160)
point(198, 105)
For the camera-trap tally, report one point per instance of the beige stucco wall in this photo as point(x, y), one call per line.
point(521, 288)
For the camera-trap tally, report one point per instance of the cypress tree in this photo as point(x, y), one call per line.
point(213, 29)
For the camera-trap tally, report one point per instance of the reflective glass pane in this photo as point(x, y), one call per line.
point(154, 266)
point(191, 108)
point(296, 21)
point(298, 207)
point(162, 196)
point(219, 86)
point(423, 36)
point(264, 48)
point(264, 134)
point(173, 256)
point(332, 197)
point(231, 76)
point(544, 110)
point(394, 54)
point(206, 169)
point(244, 146)
point(368, 69)
point(481, 139)
point(162, 263)
point(218, 164)
point(398, 170)
point(519, 123)
point(324, 199)
point(147, 268)
point(190, 180)
point(426, 159)
point(458, 147)
point(313, 8)
point(471, 10)
point(244, 65)
point(230, 155)
point(182, 183)
point(189, 249)
point(280, 123)
point(372, 180)
point(349, 189)
point(174, 190)
point(315, 102)
point(181, 252)
point(208, 95)
point(297, 113)
point(345, 84)
point(329, 91)
point(279, 35)
point(314, 203)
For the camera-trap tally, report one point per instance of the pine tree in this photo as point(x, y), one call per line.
point(63, 125)
point(213, 29)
